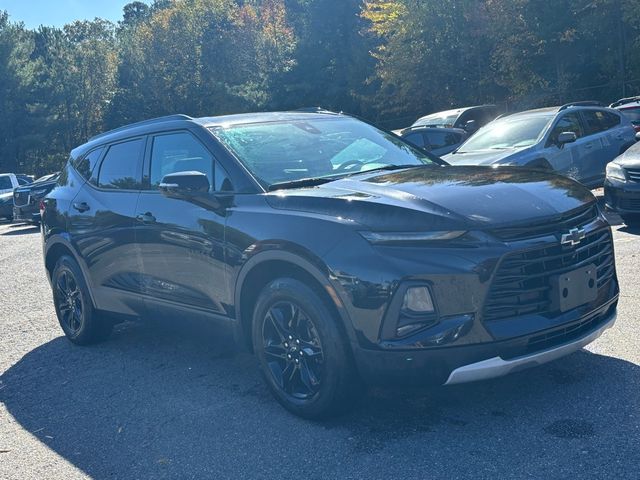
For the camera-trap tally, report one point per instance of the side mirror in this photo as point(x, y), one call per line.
point(638, 137)
point(566, 137)
point(184, 184)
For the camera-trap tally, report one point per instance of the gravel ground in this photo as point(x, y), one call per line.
point(167, 403)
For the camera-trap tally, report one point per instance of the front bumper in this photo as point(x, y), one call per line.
point(622, 197)
point(466, 363)
point(498, 367)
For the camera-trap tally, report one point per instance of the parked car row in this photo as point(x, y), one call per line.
point(20, 200)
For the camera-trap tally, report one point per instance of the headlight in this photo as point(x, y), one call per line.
point(411, 237)
point(616, 172)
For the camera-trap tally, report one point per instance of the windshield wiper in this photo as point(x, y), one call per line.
point(301, 182)
point(387, 167)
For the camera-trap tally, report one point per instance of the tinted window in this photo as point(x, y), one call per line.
point(85, 165)
point(5, 183)
point(594, 121)
point(610, 120)
point(22, 181)
point(179, 152)
point(416, 139)
point(568, 123)
point(442, 139)
point(120, 167)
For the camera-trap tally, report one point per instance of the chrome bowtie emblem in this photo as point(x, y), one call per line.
point(574, 237)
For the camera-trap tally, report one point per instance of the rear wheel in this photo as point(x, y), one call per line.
point(303, 356)
point(78, 319)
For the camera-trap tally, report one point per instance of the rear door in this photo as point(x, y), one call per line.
point(606, 140)
point(101, 222)
point(181, 242)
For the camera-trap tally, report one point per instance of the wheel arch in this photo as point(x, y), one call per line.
point(266, 266)
point(57, 247)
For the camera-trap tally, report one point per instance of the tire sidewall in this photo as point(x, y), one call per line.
point(67, 264)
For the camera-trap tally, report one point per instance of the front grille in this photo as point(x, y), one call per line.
point(629, 203)
point(633, 174)
point(20, 199)
point(574, 219)
point(522, 283)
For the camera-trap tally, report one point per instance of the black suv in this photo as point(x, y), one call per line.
point(335, 250)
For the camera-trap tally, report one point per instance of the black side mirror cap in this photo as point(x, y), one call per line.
point(184, 184)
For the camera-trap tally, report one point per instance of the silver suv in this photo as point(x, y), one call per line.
point(576, 140)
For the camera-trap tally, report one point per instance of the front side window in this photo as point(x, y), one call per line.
point(179, 152)
point(290, 150)
point(5, 183)
point(120, 169)
point(518, 132)
point(569, 122)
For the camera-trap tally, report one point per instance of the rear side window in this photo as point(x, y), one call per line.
point(442, 139)
point(610, 120)
point(568, 123)
point(598, 121)
point(85, 165)
point(179, 152)
point(120, 168)
point(416, 139)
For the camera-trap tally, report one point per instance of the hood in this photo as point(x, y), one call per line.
point(434, 197)
point(630, 158)
point(482, 157)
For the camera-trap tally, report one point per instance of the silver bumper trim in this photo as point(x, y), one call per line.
point(497, 367)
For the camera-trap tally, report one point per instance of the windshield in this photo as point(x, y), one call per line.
point(438, 120)
point(507, 133)
point(291, 150)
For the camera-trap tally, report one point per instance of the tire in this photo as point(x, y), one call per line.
point(305, 362)
point(79, 320)
point(631, 220)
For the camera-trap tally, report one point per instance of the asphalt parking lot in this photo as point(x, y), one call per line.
point(172, 402)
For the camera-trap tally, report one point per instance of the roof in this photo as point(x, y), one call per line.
point(455, 111)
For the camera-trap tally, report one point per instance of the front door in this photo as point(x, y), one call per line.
point(567, 159)
point(181, 243)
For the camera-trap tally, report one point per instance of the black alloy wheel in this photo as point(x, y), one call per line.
point(80, 321)
point(293, 350)
point(303, 351)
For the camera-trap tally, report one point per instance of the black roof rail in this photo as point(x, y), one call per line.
point(624, 101)
point(151, 121)
point(586, 103)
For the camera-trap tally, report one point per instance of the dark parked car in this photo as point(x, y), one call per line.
point(469, 119)
point(622, 185)
point(336, 251)
point(6, 206)
point(26, 199)
point(438, 141)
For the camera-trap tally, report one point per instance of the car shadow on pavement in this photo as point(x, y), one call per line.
point(168, 402)
point(21, 230)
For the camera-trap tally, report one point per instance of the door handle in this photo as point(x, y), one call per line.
point(146, 218)
point(81, 206)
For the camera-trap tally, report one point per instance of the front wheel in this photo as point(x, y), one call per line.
point(303, 355)
point(79, 320)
